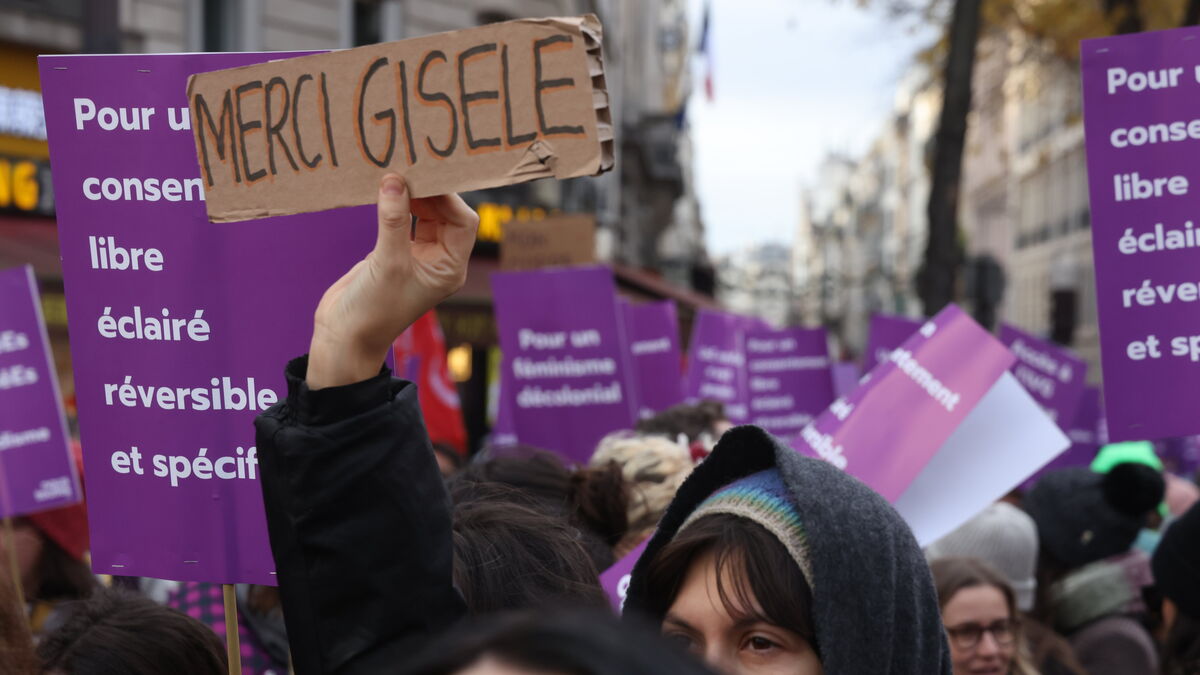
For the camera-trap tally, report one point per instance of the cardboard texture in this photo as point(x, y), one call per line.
point(555, 241)
point(466, 110)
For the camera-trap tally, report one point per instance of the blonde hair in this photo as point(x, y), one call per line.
point(654, 467)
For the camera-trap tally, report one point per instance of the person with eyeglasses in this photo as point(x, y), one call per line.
point(979, 610)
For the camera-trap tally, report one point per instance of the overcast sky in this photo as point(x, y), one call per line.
point(793, 80)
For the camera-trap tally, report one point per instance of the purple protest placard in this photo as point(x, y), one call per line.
point(37, 472)
point(1053, 375)
point(716, 367)
point(845, 378)
point(789, 377)
point(615, 580)
point(923, 394)
point(180, 328)
point(1142, 142)
point(561, 337)
point(1087, 433)
point(652, 335)
point(885, 334)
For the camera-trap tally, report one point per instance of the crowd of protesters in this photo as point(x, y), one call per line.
point(396, 556)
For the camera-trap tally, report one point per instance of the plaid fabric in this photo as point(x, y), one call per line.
point(206, 604)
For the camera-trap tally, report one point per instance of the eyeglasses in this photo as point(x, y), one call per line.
point(968, 635)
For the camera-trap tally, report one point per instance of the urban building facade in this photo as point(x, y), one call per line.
point(1023, 211)
point(646, 211)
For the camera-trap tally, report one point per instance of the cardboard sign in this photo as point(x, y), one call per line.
point(615, 580)
point(1051, 374)
point(37, 471)
point(885, 334)
point(845, 378)
point(180, 328)
point(789, 377)
point(716, 367)
point(472, 109)
point(652, 338)
point(564, 356)
point(1142, 142)
point(937, 433)
point(554, 241)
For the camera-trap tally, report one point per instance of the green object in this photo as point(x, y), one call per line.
point(1137, 452)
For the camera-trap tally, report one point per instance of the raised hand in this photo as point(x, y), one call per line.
point(405, 275)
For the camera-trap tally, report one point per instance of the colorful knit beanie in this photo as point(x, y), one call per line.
point(762, 498)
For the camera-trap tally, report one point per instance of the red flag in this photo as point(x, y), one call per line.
point(421, 358)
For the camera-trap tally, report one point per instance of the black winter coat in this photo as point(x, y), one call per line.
point(342, 466)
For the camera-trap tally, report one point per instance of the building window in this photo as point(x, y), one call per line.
point(220, 25)
point(368, 22)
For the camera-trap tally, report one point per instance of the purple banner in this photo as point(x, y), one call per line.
point(180, 328)
point(1051, 374)
point(845, 378)
point(886, 333)
point(890, 427)
point(716, 367)
point(1087, 434)
point(560, 333)
point(615, 580)
point(789, 377)
point(652, 335)
point(36, 469)
point(1142, 142)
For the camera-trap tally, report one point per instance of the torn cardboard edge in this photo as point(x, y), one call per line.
point(287, 193)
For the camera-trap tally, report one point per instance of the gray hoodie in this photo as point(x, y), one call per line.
point(874, 603)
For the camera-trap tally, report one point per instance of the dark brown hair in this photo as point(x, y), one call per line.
point(117, 632)
point(60, 576)
point(510, 555)
point(594, 500)
point(691, 420)
point(764, 575)
point(16, 644)
point(954, 574)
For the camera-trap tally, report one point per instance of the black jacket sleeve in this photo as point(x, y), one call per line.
point(359, 523)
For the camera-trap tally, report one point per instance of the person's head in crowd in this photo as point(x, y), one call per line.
point(982, 619)
point(118, 632)
point(1182, 494)
point(510, 554)
point(51, 548)
point(689, 420)
point(1092, 583)
point(593, 500)
point(552, 643)
point(1133, 452)
point(450, 461)
point(654, 467)
point(1083, 516)
point(1003, 536)
point(771, 562)
point(1176, 567)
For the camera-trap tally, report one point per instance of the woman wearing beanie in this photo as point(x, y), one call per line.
point(1006, 538)
point(980, 611)
point(1177, 575)
point(1090, 582)
point(771, 562)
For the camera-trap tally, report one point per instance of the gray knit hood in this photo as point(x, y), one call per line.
point(874, 603)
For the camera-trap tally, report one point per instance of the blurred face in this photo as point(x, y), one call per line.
point(734, 645)
point(981, 632)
